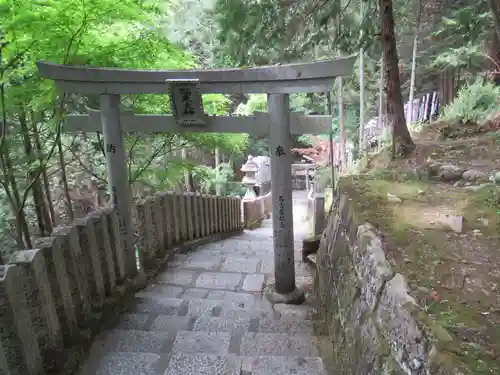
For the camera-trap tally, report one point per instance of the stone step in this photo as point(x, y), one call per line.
point(256, 344)
point(243, 299)
point(186, 364)
point(283, 366)
point(157, 304)
point(147, 350)
point(123, 363)
point(213, 279)
point(195, 307)
point(243, 323)
point(232, 320)
point(205, 342)
point(182, 364)
point(167, 291)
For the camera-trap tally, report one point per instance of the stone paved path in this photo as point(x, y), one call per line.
point(206, 315)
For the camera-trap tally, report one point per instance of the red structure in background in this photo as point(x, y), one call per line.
point(319, 151)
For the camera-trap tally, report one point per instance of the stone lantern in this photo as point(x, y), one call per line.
point(250, 168)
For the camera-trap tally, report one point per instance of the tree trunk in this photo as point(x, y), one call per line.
point(217, 171)
point(448, 87)
point(340, 103)
point(17, 203)
point(442, 92)
point(32, 175)
point(62, 164)
point(494, 54)
point(361, 146)
point(495, 12)
point(188, 178)
point(409, 115)
point(452, 85)
point(19, 218)
point(381, 120)
point(402, 142)
point(45, 177)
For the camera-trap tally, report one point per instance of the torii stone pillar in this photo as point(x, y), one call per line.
point(118, 185)
point(284, 289)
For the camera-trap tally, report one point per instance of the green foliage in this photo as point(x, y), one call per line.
point(180, 34)
point(460, 57)
point(216, 104)
point(255, 103)
point(351, 123)
point(209, 180)
point(457, 41)
point(191, 24)
point(127, 34)
point(305, 139)
point(266, 31)
point(258, 146)
point(464, 21)
point(230, 143)
point(474, 102)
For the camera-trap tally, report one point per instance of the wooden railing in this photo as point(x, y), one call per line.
point(54, 296)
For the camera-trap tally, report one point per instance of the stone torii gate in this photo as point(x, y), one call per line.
point(185, 88)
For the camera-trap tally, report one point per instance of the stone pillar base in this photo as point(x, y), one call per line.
point(296, 297)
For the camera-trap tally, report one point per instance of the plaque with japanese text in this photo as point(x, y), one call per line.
point(187, 103)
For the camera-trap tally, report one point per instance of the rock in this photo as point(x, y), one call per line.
point(483, 221)
point(393, 198)
point(310, 246)
point(453, 222)
point(422, 290)
point(474, 175)
point(394, 317)
point(476, 187)
point(421, 172)
point(450, 173)
point(433, 168)
point(495, 177)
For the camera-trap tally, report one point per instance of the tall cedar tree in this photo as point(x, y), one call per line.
point(402, 142)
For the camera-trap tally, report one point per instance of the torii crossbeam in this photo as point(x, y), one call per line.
point(277, 81)
point(258, 124)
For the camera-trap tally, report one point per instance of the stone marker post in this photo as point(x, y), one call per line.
point(18, 336)
point(284, 289)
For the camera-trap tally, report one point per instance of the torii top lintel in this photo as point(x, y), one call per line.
point(277, 79)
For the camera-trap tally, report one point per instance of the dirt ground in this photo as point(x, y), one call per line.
point(444, 239)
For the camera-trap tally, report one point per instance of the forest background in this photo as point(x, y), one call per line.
point(405, 49)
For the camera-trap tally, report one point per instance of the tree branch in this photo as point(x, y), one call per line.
point(80, 162)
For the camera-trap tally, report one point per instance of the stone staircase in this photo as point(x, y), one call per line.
point(206, 315)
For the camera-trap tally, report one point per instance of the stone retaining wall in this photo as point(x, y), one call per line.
point(374, 325)
point(54, 296)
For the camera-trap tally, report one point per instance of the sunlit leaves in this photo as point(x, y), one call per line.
point(464, 56)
